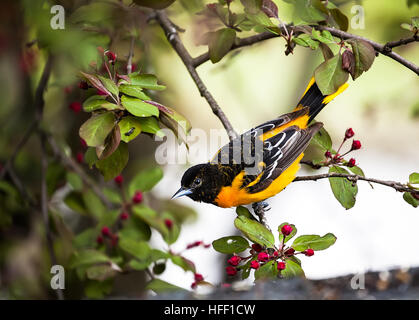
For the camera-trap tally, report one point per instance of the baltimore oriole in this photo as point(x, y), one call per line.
point(243, 175)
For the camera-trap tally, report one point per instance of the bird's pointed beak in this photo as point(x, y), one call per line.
point(182, 192)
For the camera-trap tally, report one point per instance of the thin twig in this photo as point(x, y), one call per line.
point(383, 49)
point(72, 165)
point(173, 38)
point(354, 177)
point(130, 55)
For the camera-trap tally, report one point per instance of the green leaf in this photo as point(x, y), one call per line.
point(220, 43)
point(364, 54)
point(230, 245)
point(357, 170)
point(101, 272)
point(267, 271)
point(145, 180)
point(112, 142)
point(98, 289)
point(322, 140)
point(407, 196)
point(95, 130)
point(96, 102)
point(74, 181)
point(130, 128)
point(292, 234)
point(323, 36)
point(308, 12)
point(155, 4)
point(160, 286)
point(138, 249)
point(243, 211)
point(414, 178)
point(133, 91)
point(86, 239)
point(306, 41)
point(174, 120)
point(182, 262)
point(150, 125)
point(252, 6)
point(145, 81)
point(112, 195)
point(95, 82)
point(93, 204)
point(330, 76)
point(90, 157)
point(87, 257)
point(314, 242)
point(341, 20)
point(292, 270)
point(74, 201)
point(109, 85)
point(343, 189)
point(255, 231)
point(112, 166)
point(136, 229)
point(139, 108)
point(151, 217)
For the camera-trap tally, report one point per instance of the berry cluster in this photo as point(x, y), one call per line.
point(260, 255)
point(337, 157)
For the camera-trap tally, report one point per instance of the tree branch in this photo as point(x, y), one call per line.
point(354, 178)
point(383, 49)
point(173, 38)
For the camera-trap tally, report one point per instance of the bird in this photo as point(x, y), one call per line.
point(261, 162)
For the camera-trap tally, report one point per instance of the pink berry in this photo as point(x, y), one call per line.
point(290, 252)
point(234, 260)
point(83, 143)
point(257, 247)
point(254, 264)
point(231, 271)
point(138, 197)
point(309, 252)
point(119, 179)
point(198, 277)
point(80, 157)
point(75, 107)
point(168, 223)
point(281, 265)
point(356, 145)
point(263, 257)
point(124, 216)
point(99, 239)
point(111, 56)
point(351, 162)
point(105, 231)
point(349, 133)
point(328, 154)
point(83, 85)
point(194, 285)
point(286, 230)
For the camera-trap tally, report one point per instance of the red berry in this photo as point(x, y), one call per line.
point(111, 56)
point(289, 252)
point(356, 144)
point(349, 133)
point(75, 106)
point(124, 216)
point(206, 246)
point(351, 162)
point(99, 239)
point(328, 154)
point(199, 277)
point(263, 257)
point(194, 285)
point(231, 271)
point(83, 85)
point(275, 254)
point(168, 223)
point(309, 252)
point(257, 247)
point(286, 230)
point(281, 265)
point(254, 264)
point(234, 260)
point(138, 197)
point(80, 157)
point(105, 231)
point(119, 179)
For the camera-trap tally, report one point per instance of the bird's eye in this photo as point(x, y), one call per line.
point(197, 181)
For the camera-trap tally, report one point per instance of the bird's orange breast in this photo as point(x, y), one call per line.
point(234, 195)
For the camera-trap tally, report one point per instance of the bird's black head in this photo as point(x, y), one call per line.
point(200, 183)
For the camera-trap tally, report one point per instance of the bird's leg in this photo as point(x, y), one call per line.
point(259, 209)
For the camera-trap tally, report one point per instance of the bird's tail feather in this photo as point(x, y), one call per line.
point(315, 100)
